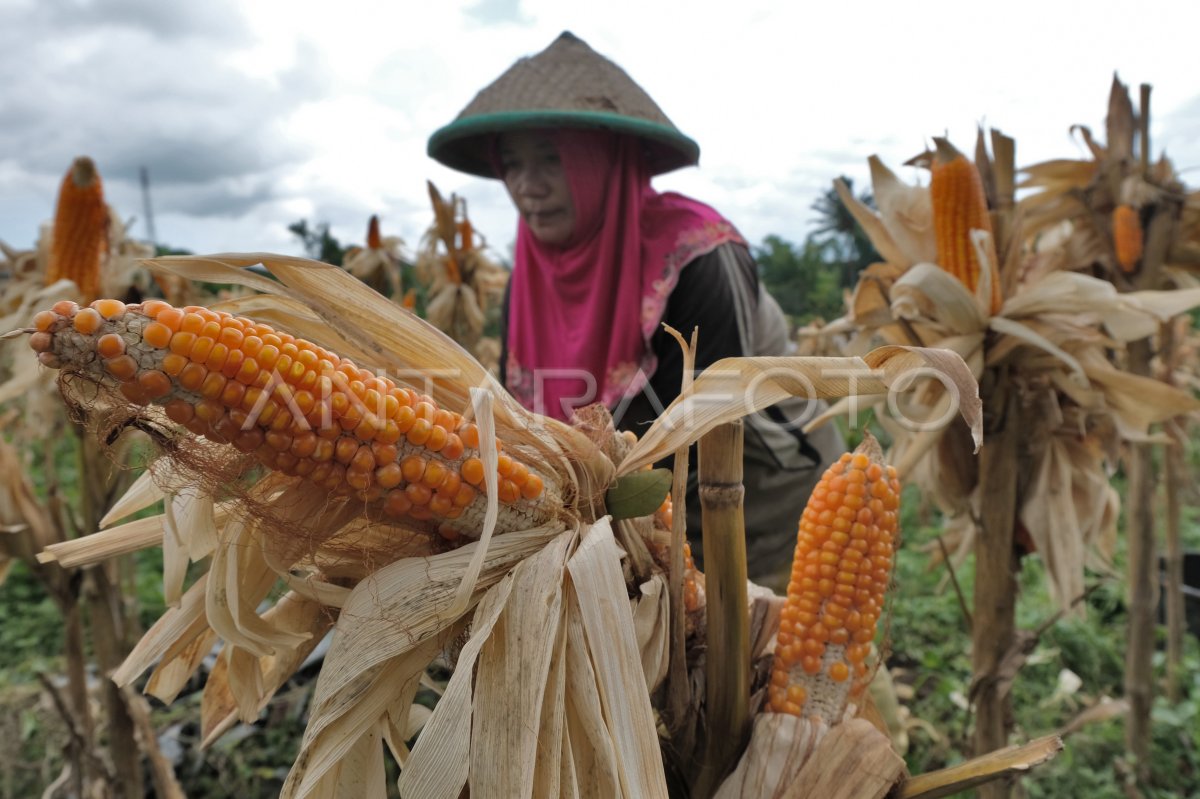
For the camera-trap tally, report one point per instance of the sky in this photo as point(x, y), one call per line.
point(249, 116)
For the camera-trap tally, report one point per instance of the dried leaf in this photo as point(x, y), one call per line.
point(143, 493)
point(607, 621)
point(97, 547)
point(439, 763)
point(511, 677)
point(169, 628)
point(906, 212)
point(876, 231)
point(977, 771)
point(735, 387)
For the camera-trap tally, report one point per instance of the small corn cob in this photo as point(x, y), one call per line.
point(664, 518)
point(1127, 237)
point(466, 235)
point(298, 408)
point(840, 573)
point(80, 239)
point(374, 239)
point(960, 206)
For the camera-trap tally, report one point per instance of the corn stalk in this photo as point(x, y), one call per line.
point(727, 660)
point(993, 630)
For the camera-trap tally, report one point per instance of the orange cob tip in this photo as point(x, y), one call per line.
point(374, 240)
point(1127, 237)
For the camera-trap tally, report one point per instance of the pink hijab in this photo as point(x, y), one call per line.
point(581, 315)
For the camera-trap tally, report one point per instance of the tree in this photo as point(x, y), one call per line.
point(809, 281)
point(319, 243)
point(803, 280)
point(837, 229)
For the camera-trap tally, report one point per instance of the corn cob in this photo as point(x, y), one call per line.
point(80, 239)
point(960, 206)
point(1127, 237)
point(298, 408)
point(840, 574)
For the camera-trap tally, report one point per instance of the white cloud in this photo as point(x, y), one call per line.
point(253, 115)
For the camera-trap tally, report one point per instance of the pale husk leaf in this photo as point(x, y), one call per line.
point(929, 292)
point(325, 746)
point(218, 708)
point(906, 212)
point(141, 494)
point(180, 662)
point(735, 387)
point(512, 675)
point(481, 403)
point(780, 745)
point(591, 766)
point(170, 627)
point(1015, 760)
point(239, 579)
point(793, 758)
point(1067, 507)
point(400, 605)
point(97, 547)
point(1137, 402)
point(548, 766)
point(651, 623)
point(244, 680)
point(189, 534)
point(604, 606)
point(439, 763)
point(1018, 331)
point(884, 244)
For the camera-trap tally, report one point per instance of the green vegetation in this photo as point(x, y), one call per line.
point(809, 280)
point(319, 243)
point(1076, 663)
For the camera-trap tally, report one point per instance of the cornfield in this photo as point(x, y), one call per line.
point(332, 467)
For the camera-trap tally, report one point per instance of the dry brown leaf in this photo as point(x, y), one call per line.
point(734, 387)
point(1014, 760)
point(511, 677)
point(170, 628)
point(608, 624)
point(439, 763)
point(906, 213)
point(880, 238)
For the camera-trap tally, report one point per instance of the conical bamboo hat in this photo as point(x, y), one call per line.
point(566, 85)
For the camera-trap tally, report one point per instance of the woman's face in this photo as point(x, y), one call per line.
point(537, 183)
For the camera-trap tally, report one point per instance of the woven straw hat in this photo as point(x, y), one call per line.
point(566, 85)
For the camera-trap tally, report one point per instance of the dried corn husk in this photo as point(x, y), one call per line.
point(462, 282)
point(379, 263)
point(1051, 336)
point(578, 685)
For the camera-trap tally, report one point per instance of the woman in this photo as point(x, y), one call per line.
point(603, 262)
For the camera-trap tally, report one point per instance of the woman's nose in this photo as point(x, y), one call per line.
point(531, 183)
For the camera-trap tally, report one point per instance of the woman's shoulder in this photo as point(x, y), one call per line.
point(727, 262)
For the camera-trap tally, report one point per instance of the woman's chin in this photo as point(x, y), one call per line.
point(552, 235)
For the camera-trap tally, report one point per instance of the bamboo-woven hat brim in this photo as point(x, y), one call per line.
point(567, 85)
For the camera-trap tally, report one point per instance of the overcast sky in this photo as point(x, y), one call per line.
point(252, 115)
